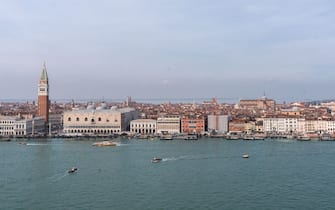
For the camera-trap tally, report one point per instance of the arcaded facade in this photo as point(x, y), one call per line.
point(143, 126)
point(98, 121)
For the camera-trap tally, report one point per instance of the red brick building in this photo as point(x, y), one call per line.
point(192, 125)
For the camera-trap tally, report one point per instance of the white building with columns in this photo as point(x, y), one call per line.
point(143, 126)
point(17, 126)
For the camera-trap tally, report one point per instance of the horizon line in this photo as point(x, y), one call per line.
point(161, 100)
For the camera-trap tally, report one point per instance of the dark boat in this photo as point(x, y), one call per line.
point(72, 170)
point(156, 160)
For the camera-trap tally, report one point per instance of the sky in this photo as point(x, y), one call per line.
point(168, 49)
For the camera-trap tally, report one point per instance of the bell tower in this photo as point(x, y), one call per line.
point(43, 95)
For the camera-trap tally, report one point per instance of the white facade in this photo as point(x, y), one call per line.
point(298, 125)
point(100, 121)
point(284, 125)
point(143, 126)
point(331, 126)
point(168, 125)
point(319, 126)
point(16, 126)
point(218, 123)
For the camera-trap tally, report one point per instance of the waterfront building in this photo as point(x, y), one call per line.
point(98, 121)
point(192, 125)
point(263, 104)
point(168, 125)
point(55, 122)
point(250, 127)
point(317, 126)
point(259, 125)
point(284, 125)
point(17, 126)
point(331, 127)
point(237, 126)
point(43, 95)
point(218, 123)
point(143, 126)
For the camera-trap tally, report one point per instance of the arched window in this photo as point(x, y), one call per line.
point(86, 119)
point(69, 119)
point(77, 119)
point(99, 119)
point(92, 120)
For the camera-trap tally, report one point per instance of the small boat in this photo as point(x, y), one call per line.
point(72, 170)
point(245, 156)
point(156, 160)
point(248, 137)
point(23, 143)
point(303, 138)
point(166, 137)
point(104, 143)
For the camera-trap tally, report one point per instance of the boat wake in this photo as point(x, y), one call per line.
point(195, 157)
point(175, 158)
point(58, 177)
point(36, 144)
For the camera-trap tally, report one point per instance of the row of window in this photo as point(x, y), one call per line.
point(142, 125)
point(86, 119)
point(93, 127)
point(6, 133)
point(92, 131)
point(150, 131)
point(19, 126)
point(6, 128)
point(7, 122)
point(191, 121)
point(20, 133)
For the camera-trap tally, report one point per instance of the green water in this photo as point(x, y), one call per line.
point(203, 174)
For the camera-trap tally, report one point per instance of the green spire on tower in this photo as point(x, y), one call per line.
point(44, 75)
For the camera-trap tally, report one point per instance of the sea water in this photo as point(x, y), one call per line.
point(202, 174)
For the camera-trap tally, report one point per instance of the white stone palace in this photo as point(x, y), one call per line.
point(98, 121)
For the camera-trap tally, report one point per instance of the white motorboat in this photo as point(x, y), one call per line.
point(245, 156)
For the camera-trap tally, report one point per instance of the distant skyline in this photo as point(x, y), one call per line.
point(151, 49)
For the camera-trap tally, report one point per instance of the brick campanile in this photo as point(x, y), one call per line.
point(43, 95)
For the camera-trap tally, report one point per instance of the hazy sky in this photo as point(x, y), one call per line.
point(168, 48)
